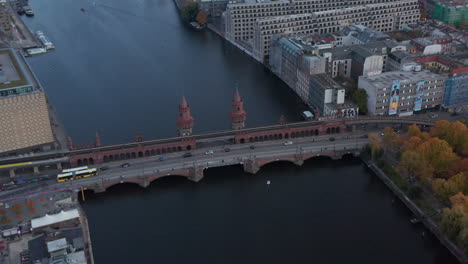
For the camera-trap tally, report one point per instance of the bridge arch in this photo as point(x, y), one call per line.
point(263, 163)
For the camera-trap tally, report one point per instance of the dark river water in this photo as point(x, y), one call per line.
point(121, 67)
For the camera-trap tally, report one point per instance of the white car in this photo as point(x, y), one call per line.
point(209, 152)
point(287, 143)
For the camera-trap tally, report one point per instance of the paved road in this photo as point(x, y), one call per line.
point(220, 157)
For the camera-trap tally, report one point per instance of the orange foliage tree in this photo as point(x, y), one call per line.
point(202, 17)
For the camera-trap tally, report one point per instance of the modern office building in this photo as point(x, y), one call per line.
point(402, 92)
point(384, 17)
point(24, 111)
point(456, 90)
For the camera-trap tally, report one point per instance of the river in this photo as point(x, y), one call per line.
point(121, 67)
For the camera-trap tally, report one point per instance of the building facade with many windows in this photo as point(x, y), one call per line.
point(402, 92)
point(385, 17)
point(456, 90)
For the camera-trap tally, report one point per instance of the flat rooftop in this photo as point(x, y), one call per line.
point(385, 79)
point(15, 71)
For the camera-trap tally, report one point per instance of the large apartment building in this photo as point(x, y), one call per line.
point(385, 17)
point(240, 17)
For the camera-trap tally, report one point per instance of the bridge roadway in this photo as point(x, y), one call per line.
point(144, 170)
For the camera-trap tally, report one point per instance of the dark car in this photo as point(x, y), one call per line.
point(125, 165)
point(332, 139)
point(227, 149)
point(186, 155)
point(364, 136)
point(105, 168)
point(252, 147)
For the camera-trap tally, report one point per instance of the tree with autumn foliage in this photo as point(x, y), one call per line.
point(455, 221)
point(445, 189)
point(456, 134)
point(414, 131)
point(375, 146)
point(412, 164)
point(202, 18)
point(438, 154)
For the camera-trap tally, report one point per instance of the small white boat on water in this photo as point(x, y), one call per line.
point(35, 51)
point(45, 41)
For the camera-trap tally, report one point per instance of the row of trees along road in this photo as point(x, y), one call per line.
point(436, 161)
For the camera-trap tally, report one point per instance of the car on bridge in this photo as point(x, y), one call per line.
point(209, 152)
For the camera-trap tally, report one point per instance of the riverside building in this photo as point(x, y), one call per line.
point(240, 17)
point(402, 92)
point(26, 125)
point(384, 17)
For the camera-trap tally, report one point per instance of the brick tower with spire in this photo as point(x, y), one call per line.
point(184, 119)
point(238, 114)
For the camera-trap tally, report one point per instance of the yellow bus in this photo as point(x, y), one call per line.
point(76, 174)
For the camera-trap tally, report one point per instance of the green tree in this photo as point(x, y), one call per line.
point(462, 240)
point(452, 222)
point(360, 98)
point(188, 11)
point(445, 189)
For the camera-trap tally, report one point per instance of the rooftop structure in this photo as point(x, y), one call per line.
point(360, 34)
point(48, 220)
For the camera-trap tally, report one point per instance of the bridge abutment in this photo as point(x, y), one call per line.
point(196, 174)
point(251, 166)
point(97, 188)
point(145, 182)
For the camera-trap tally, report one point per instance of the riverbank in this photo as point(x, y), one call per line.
point(428, 223)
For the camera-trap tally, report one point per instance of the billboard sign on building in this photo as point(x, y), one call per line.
point(394, 97)
point(419, 96)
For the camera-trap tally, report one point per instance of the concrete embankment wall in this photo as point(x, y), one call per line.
point(428, 223)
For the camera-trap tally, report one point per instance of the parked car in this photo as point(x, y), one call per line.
point(209, 152)
point(125, 165)
point(287, 143)
point(186, 155)
point(162, 159)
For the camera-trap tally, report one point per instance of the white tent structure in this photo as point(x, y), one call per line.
point(53, 219)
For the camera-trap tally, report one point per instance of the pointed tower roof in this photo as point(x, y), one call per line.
point(184, 102)
point(237, 97)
